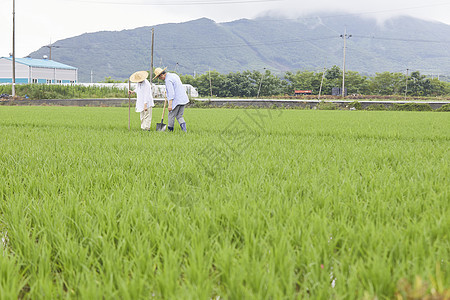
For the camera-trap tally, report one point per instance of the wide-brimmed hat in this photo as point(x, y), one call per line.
point(158, 72)
point(139, 76)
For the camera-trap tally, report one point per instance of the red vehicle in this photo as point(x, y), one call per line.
point(302, 92)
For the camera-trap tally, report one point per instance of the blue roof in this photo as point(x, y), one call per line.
point(41, 63)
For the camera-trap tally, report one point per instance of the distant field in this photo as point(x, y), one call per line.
point(250, 204)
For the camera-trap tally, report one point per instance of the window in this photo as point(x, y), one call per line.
point(49, 81)
point(35, 80)
point(58, 81)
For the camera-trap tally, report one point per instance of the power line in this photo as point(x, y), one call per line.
point(175, 3)
point(401, 40)
point(209, 47)
point(290, 41)
point(251, 44)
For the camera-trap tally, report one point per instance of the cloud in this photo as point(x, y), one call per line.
point(38, 22)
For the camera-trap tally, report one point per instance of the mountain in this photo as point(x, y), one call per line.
point(308, 43)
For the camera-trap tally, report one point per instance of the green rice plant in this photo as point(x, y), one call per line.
point(250, 204)
point(44, 91)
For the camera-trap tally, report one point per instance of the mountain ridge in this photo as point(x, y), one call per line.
point(311, 43)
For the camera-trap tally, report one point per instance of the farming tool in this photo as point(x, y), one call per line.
point(161, 126)
point(129, 103)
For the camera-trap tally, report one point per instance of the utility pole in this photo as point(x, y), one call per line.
point(50, 46)
point(151, 63)
point(210, 84)
point(14, 51)
point(321, 82)
point(260, 83)
point(92, 76)
point(345, 36)
point(406, 81)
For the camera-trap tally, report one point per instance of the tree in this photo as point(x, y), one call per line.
point(418, 85)
point(239, 85)
point(387, 83)
point(202, 83)
point(333, 73)
point(270, 84)
point(438, 88)
point(303, 80)
point(333, 78)
point(247, 83)
point(356, 83)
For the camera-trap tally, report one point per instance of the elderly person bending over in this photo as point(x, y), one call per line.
point(144, 101)
point(176, 94)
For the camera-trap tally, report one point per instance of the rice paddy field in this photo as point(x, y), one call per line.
point(249, 204)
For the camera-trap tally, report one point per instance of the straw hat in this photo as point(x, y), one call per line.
point(139, 76)
point(158, 72)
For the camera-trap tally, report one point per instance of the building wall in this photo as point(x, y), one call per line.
point(66, 75)
point(43, 74)
point(22, 72)
point(26, 74)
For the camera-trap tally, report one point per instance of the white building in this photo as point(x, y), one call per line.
point(31, 70)
point(158, 90)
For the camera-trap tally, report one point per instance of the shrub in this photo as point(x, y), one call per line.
point(376, 107)
point(199, 104)
point(412, 107)
point(356, 105)
point(327, 106)
point(445, 107)
point(44, 91)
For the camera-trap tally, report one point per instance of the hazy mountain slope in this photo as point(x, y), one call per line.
point(309, 43)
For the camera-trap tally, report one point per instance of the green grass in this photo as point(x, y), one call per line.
point(250, 204)
point(44, 91)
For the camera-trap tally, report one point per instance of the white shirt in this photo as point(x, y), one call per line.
point(175, 90)
point(144, 95)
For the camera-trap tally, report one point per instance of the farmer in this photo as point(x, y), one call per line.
point(144, 101)
point(176, 95)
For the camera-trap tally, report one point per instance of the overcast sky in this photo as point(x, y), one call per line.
point(39, 22)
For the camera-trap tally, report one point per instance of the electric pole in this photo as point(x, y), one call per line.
point(14, 51)
point(50, 46)
point(260, 83)
point(151, 59)
point(210, 84)
point(345, 36)
point(321, 82)
point(406, 81)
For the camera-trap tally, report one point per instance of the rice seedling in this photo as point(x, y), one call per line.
point(250, 204)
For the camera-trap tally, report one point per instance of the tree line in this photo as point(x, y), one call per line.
point(250, 84)
point(263, 84)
